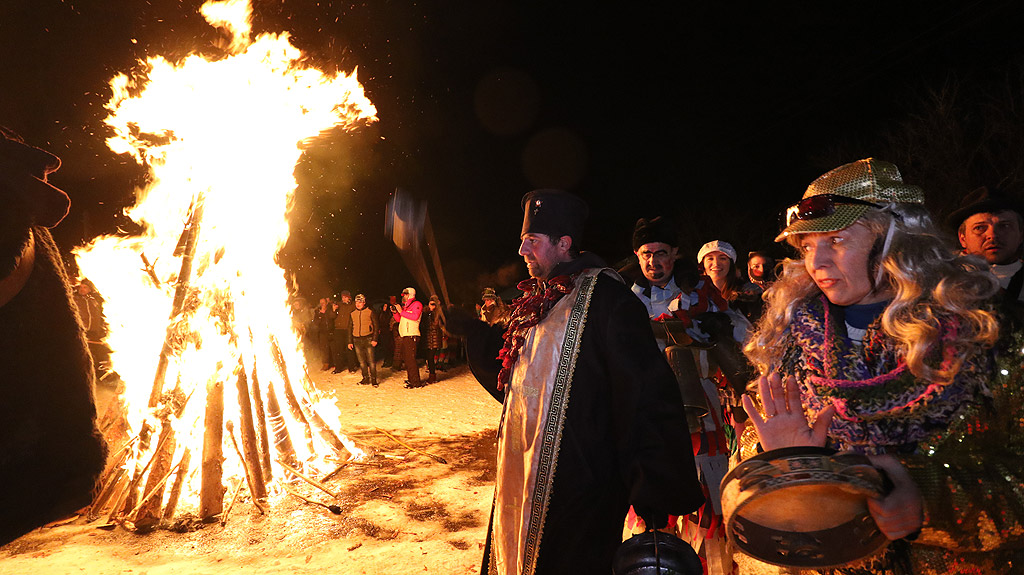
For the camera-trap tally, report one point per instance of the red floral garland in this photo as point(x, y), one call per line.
point(539, 297)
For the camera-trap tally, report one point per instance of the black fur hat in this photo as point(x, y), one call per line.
point(659, 229)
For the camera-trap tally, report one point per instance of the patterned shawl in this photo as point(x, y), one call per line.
point(880, 405)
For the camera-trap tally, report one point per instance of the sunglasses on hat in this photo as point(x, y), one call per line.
point(819, 206)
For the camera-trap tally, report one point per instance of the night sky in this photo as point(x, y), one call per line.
point(719, 117)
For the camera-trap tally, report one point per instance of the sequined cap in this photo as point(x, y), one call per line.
point(868, 180)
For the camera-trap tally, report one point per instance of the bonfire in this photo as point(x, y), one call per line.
point(216, 394)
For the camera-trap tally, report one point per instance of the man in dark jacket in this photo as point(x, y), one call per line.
point(585, 389)
point(362, 329)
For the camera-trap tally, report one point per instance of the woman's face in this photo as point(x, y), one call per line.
point(838, 264)
point(717, 266)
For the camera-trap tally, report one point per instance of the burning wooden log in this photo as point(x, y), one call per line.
point(253, 469)
point(190, 237)
point(179, 479)
point(261, 427)
point(293, 403)
point(248, 473)
point(149, 508)
point(299, 408)
point(282, 439)
point(211, 493)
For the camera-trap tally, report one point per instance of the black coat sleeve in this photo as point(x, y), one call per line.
point(483, 342)
point(651, 433)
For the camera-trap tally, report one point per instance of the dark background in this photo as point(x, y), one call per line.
point(719, 117)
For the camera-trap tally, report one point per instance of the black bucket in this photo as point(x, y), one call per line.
point(656, 553)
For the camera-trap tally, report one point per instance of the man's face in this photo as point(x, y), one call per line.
point(755, 268)
point(488, 302)
point(346, 299)
point(542, 255)
point(406, 296)
point(360, 304)
point(994, 236)
point(657, 260)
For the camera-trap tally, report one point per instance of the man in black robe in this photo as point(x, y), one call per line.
point(592, 422)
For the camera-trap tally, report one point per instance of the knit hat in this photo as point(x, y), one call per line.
point(489, 293)
point(716, 246)
point(360, 298)
point(555, 213)
point(657, 229)
point(840, 197)
point(983, 200)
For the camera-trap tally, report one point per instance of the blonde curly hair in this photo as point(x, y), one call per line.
point(929, 282)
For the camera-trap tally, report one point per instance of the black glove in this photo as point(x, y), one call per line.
point(460, 322)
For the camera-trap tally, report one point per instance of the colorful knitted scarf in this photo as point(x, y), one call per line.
point(539, 296)
point(880, 405)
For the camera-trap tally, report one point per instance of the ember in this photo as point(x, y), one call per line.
point(197, 305)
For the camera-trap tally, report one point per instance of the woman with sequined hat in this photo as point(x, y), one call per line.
point(878, 340)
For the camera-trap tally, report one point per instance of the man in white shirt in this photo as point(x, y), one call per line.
point(989, 225)
point(657, 248)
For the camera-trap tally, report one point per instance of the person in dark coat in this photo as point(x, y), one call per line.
point(587, 392)
point(51, 452)
point(323, 325)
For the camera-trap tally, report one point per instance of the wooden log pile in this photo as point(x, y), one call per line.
point(142, 486)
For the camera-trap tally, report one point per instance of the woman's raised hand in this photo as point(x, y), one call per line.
point(784, 423)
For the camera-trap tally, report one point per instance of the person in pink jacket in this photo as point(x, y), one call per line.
point(408, 318)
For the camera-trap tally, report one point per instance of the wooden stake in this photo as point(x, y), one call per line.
point(149, 507)
point(253, 469)
point(420, 451)
point(282, 439)
point(179, 479)
point(293, 403)
point(309, 480)
point(261, 427)
point(104, 495)
point(191, 237)
point(245, 466)
point(234, 496)
point(211, 492)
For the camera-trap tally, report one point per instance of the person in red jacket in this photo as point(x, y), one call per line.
point(408, 318)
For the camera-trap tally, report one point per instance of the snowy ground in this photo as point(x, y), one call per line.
point(406, 513)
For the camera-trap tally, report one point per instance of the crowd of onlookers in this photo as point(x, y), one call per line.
point(346, 334)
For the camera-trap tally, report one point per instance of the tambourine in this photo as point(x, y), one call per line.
point(804, 507)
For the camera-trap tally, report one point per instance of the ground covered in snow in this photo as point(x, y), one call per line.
point(401, 511)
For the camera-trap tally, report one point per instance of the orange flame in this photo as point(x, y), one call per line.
point(222, 136)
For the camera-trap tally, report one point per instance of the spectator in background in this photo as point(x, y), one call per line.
point(493, 310)
point(362, 327)
point(760, 272)
point(760, 269)
point(343, 356)
point(989, 225)
point(385, 340)
point(323, 322)
point(408, 318)
point(437, 341)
